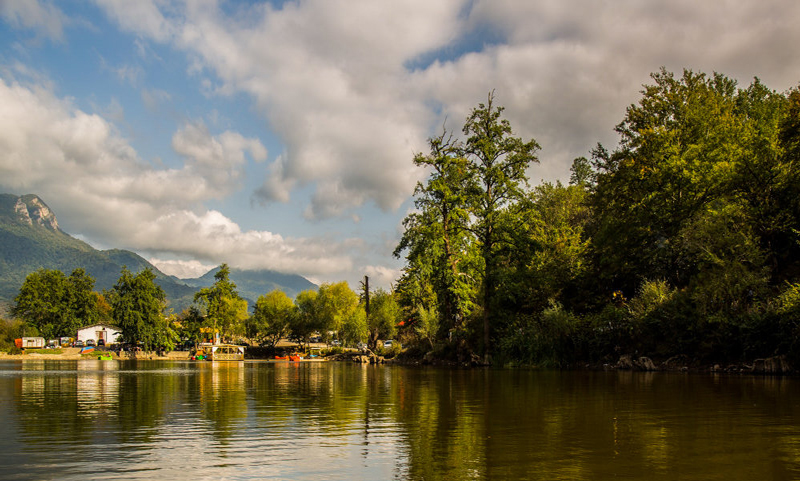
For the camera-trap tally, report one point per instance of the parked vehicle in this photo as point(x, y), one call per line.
point(101, 342)
point(77, 343)
point(90, 342)
point(388, 343)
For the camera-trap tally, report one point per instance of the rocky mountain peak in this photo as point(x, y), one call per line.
point(31, 210)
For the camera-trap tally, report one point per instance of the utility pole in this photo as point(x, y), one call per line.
point(366, 294)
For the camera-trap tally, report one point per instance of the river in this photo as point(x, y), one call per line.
point(266, 420)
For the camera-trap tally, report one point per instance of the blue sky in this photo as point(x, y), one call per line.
point(280, 135)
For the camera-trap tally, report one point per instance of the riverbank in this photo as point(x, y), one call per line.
point(777, 365)
point(74, 353)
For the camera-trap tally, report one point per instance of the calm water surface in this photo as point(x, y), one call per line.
point(263, 420)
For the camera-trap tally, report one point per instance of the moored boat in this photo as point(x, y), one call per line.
point(226, 352)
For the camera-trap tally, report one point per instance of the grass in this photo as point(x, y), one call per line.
point(43, 351)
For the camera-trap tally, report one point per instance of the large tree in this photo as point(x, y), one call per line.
point(225, 311)
point(695, 153)
point(498, 162)
point(57, 305)
point(336, 305)
point(384, 314)
point(137, 307)
point(439, 245)
point(272, 318)
point(306, 322)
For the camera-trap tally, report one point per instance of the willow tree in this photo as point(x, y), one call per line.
point(272, 318)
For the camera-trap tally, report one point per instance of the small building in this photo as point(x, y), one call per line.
point(29, 342)
point(109, 334)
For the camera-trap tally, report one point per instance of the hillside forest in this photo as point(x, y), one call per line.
point(681, 240)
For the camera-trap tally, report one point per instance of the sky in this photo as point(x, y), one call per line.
point(280, 135)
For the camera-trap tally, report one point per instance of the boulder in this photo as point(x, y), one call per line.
point(772, 365)
point(626, 362)
point(645, 364)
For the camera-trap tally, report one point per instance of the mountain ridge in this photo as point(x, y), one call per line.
point(31, 239)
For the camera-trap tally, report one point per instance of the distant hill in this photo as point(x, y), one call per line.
point(255, 283)
point(30, 239)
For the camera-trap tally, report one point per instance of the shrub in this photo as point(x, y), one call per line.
point(545, 340)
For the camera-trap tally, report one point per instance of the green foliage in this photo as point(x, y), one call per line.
point(355, 329)
point(545, 340)
point(336, 306)
point(652, 296)
point(137, 308)
point(10, 330)
point(57, 305)
point(498, 165)
point(438, 239)
point(693, 216)
point(271, 319)
point(383, 317)
point(454, 238)
point(306, 322)
point(427, 324)
point(225, 311)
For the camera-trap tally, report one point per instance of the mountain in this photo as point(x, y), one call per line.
point(31, 239)
point(253, 283)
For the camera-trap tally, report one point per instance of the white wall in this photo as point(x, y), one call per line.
point(90, 332)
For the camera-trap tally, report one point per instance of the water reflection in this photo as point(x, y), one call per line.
point(146, 419)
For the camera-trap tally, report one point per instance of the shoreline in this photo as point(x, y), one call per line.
point(777, 365)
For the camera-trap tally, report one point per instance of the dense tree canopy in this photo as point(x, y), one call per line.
point(57, 305)
point(272, 318)
point(137, 306)
point(683, 239)
point(225, 311)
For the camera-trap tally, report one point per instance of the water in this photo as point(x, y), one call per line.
point(262, 420)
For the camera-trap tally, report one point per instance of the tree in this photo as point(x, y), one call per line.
point(547, 250)
point(40, 302)
point(427, 324)
point(137, 308)
point(692, 143)
point(57, 305)
point(272, 318)
point(383, 317)
point(437, 237)
point(225, 310)
point(335, 304)
point(498, 162)
point(355, 329)
point(306, 322)
point(84, 304)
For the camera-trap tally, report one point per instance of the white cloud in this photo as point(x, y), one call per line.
point(104, 191)
point(382, 276)
point(181, 269)
point(43, 17)
point(331, 76)
point(333, 80)
point(142, 16)
point(218, 161)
